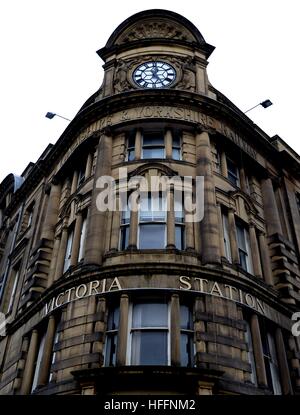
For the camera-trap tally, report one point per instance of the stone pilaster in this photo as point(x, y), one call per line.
point(189, 236)
point(52, 212)
point(175, 330)
point(255, 252)
point(233, 237)
point(224, 170)
point(265, 259)
point(53, 263)
point(115, 229)
point(47, 353)
point(287, 388)
point(270, 207)
point(133, 229)
point(258, 351)
point(138, 145)
point(209, 224)
point(222, 246)
point(29, 365)
point(88, 167)
point(123, 330)
point(61, 253)
point(74, 182)
point(243, 180)
point(168, 143)
point(170, 220)
point(95, 240)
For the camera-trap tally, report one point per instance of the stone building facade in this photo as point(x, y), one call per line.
point(135, 301)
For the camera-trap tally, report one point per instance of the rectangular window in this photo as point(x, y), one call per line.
point(15, 277)
point(130, 147)
point(270, 359)
point(81, 174)
point(153, 145)
point(38, 362)
point(112, 336)
point(125, 226)
point(149, 335)
point(233, 173)
point(54, 354)
point(82, 238)
point(227, 246)
point(179, 222)
point(152, 222)
point(186, 336)
point(244, 247)
point(68, 253)
point(251, 360)
point(176, 146)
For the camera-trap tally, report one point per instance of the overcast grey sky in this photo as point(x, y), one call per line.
point(49, 63)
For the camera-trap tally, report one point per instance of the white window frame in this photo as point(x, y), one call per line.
point(226, 237)
point(53, 359)
point(175, 147)
point(131, 329)
point(13, 291)
point(108, 333)
point(274, 368)
point(250, 352)
point(237, 175)
point(38, 361)
point(68, 253)
point(152, 222)
point(82, 241)
point(190, 332)
point(246, 237)
point(153, 146)
point(130, 148)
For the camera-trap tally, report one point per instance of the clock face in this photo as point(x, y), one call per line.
point(156, 74)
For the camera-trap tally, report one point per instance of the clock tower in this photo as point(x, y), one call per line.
point(155, 50)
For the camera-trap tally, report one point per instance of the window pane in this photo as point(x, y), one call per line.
point(186, 349)
point(125, 215)
point(241, 237)
point(149, 348)
point(130, 154)
point(179, 237)
point(226, 237)
point(152, 236)
point(152, 208)
point(153, 139)
point(150, 315)
point(251, 359)
point(178, 209)
point(274, 366)
point(176, 153)
point(131, 141)
point(110, 351)
point(68, 252)
point(186, 318)
point(153, 153)
point(113, 319)
point(82, 240)
point(124, 237)
point(176, 140)
point(38, 361)
point(243, 260)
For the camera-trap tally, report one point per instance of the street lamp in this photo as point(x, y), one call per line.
point(265, 104)
point(51, 115)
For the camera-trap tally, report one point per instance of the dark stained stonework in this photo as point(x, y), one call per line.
point(73, 279)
